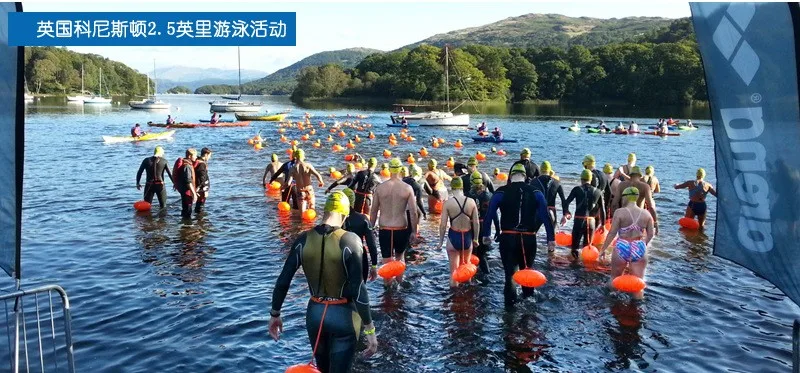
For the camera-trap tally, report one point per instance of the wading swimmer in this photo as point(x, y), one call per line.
point(392, 199)
point(698, 189)
point(288, 190)
point(472, 167)
point(522, 211)
point(346, 180)
point(588, 203)
point(185, 182)
point(202, 182)
point(462, 214)
point(331, 259)
point(271, 169)
point(301, 174)
point(154, 168)
point(623, 171)
point(531, 169)
point(635, 228)
point(364, 184)
point(482, 196)
point(645, 195)
point(359, 224)
point(550, 187)
point(434, 184)
point(412, 182)
point(651, 179)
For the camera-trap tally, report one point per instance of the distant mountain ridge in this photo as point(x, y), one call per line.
point(194, 77)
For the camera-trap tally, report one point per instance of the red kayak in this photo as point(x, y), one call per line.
point(195, 125)
point(661, 134)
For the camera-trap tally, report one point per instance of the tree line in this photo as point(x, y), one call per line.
point(52, 70)
point(663, 66)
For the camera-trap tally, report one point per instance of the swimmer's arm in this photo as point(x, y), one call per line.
point(658, 187)
point(651, 206)
point(610, 236)
point(488, 182)
point(166, 168)
point(565, 204)
point(285, 278)
point(544, 216)
point(418, 196)
point(412, 211)
point(342, 180)
point(684, 185)
point(602, 208)
point(442, 228)
point(615, 198)
point(373, 212)
point(356, 289)
point(446, 176)
point(371, 246)
point(476, 224)
point(139, 173)
point(494, 203)
point(712, 190)
point(560, 192)
point(650, 231)
point(316, 174)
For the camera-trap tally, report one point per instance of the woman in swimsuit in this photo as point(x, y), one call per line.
point(434, 184)
point(462, 214)
point(624, 170)
point(635, 228)
point(698, 189)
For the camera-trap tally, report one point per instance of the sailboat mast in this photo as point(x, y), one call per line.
point(82, 88)
point(239, 52)
point(447, 76)
point(101, 82)
point(155, 82)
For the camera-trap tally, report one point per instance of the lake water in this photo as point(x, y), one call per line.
point(152, 294)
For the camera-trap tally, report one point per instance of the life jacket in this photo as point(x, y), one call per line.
point(178, 169)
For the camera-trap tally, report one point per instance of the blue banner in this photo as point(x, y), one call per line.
point(12, 113)
point(749, 54)
point(153, 29)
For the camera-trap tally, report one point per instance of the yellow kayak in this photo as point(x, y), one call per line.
point(146, 137)
point(267, 118)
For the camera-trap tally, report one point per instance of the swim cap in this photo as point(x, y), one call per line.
point(274, 157)
point(701, 173)
point(299, 154)
point(372, 162)
point(518, 168)
point(631, 193)
point(350, 195)
point(545, 167)
point(339, 203)
point(432, 164)
point(632, 157)
point(415, 170)
point(395, 165)
point(457, 183)
point(608, 168)
point(586, 175)
point(635, 170)
point(351, 168)
point(404, 171)
point(384, 166)
point(472, 162)
point(588, 160)
point(476, 178)
point(496, 171)
point(158, 152)
point(525, 152)
point(649, 170)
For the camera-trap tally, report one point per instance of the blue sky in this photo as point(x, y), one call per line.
point(331, 26)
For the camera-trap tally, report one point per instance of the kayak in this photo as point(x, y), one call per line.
point(176, 125)
point(266, 118)
point(620, 132)
point(398, 125)
point(574, 129)
point(195, 125)
point(596, 130)
point(219, 121)
point(661, 134)
point(684, 128)
point(491, 139)
point(146, 137)
point(654, 127)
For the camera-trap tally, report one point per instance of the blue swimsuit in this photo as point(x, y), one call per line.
point(461, 240)
point(631, 250)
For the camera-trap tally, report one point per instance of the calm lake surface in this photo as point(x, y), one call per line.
point(151, 294)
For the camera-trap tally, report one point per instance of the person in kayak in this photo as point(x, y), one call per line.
point(620, 127)
point(664, 129)
point(645, 195)
point(339, 307)
point(136, 131)
point(346, 180)
point(575, 126)
point(271, 169)
point(588, 203)
point(482, 196)
point(602, 126)
point(531, 169)
point(698, 189)
point(633, 127)
point(635, 228)
point(392, 199)
point(523, 210)
point(359, 224)
point(301, 173)
point(550, 187)
point(288, 190)
point(690, 124)
point(623, 171)
point(472, 167)
point(214, 118)
point(461, 213)
point(364, 184)
point(434, 183)
point(170, 120)
point(497, 134)
point(651, 179)
point(482, 128)
point(202, 182)
point(412, 181)
point(155, 167)
point(404, 122)
point(185, 183)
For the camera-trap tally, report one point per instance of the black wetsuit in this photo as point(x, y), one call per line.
point(551, 189)
point(364, 185)
point(331, 261)
point(288, 191)
point(202, 183)
point(601, 182)
point(588, 203)
point(347, 182)
point(359, 224)
point(417, 193)
point(531, 169)
point(482, 201)
point(154, 179)
point(183, 178)
point(523, 210)
point(487, 181)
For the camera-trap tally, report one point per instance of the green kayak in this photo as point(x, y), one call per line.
point(595, 130)
point(684, 128)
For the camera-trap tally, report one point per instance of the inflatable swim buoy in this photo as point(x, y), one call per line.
point(530, 278)
point(629, 284)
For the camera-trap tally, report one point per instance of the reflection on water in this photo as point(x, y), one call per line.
point(625, 336)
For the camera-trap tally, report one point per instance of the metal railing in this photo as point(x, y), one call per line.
point(36, 340)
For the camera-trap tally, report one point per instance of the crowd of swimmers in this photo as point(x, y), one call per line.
point(189, 176)
point(473, 215)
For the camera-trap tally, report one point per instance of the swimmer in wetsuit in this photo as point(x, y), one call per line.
point(288, 189)
point(412, 182)
point(523, 210)
point(155, 167)
point(550, 187)
point(472, 167)
point(462, 214)
point(359, 224)
point(482, 197)
point(363, 185)
point(331, 259)
point(698, 189)
point(392, 199)
point(346, 180)
point(588, 203)
point(635, 228)
point(531, 169)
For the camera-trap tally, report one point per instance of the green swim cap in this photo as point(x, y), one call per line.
point(385, 166)
point(649, 170)
point(350, 195)
point(472, 162)
point(338, 202)
point(632, 157)
point(372, 162)
point(588, 160)
point(545, 167)
point(158, 152)
point(415, 170)
point(608, 168)
point(432, 164)
point(351, 168)
point(456, 183)
point(586, 175)
point(274, 157)
point(404, 171)
point(518, 168)
point(476, 178)
point(635, 170)
point(631, 193)
point(701, 173)
point(525, 152)
point(395, 165)
point(496, 171)
point(299, 154)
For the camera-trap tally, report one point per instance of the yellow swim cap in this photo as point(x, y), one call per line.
point(415, 170)
point(372, 162)
point(701, 173)
point(632, 157)
point(545, 167)
point(649, 170)
point(586, 175)
point(525, 152)
point(432, 164)
point(350, 195)
point(385, 166)
point(608, 168)
point(518, 168)
point(496, 171)
point(395, 165)
point(635, 170)
point(457, 183)
point(588, 160)
point(472, 162)
point(631, 193)
point(299, 154)
point(476, 178)
point(351, 168)
point(274, 157)
point(338, 202)
point(404, 171)
point(158, 152)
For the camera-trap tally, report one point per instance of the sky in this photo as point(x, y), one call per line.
point(324, 26)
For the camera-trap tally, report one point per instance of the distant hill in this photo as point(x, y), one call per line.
point(550, 30)
point(194, 77)
point(283, 80)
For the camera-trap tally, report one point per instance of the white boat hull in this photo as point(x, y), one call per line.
point(97, 100)
point(434, 119)
point(76, 98)
point(149, 106)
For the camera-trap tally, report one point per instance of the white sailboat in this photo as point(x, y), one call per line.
point(237, 106)
point(79, 98)
point(98, 99)
point(151, 103)
point(436, 118)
